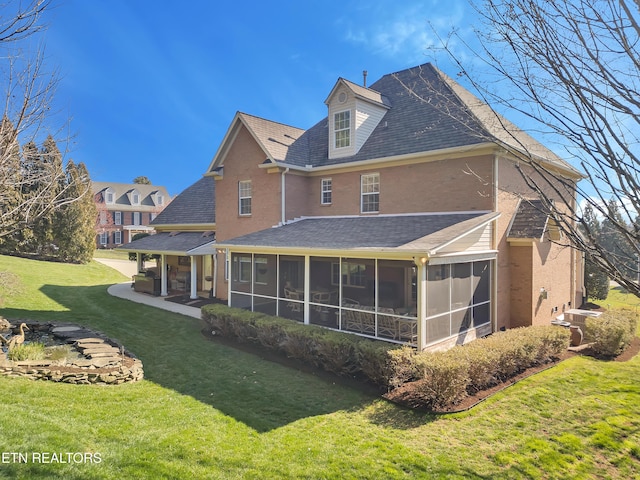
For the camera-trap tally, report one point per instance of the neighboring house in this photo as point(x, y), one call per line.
point(402, 216)
point(125, 209)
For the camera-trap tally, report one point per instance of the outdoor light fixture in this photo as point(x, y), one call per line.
point(543, 294)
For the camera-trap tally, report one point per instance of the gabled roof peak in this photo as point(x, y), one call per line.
point(359, 91)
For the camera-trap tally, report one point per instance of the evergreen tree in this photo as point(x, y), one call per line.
point(49, 183)
point(75, 221)
point(22, 238)
point(616, 244)
point(595, 278)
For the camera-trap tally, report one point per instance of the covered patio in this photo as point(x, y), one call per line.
point(422, 280)
point(187, 263)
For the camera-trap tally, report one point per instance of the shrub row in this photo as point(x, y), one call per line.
point(444, 378)
point(611, 332)
point(335, 352)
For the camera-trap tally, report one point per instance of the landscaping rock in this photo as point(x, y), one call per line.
point(105, 360)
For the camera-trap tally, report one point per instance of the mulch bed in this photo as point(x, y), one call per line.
point(407, 397)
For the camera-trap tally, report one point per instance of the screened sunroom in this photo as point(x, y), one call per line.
point(400, 293)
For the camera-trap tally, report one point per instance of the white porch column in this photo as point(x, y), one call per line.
point(163, 275)
point(214, 288)
point(139, 261)
point(194, 278)
point(421, 263)
point(307, 288)
point(228, 266)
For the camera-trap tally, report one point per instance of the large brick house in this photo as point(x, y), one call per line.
point(402, 215)
point(125, 209)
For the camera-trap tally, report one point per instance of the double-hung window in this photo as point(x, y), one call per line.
point(326, 192)
point(104, 238)
point(244, 197)
point(136, 218)
point(342, 129)
point(370, 193)
point(117, 218)
point(117, 237)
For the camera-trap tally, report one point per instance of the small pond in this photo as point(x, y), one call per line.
point(66, 353)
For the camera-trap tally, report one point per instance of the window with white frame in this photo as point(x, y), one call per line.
point(342, 129)
point(244, 197)
point(136, 218)
point(109, 196)
point(117, 237)
point(370, 193)
point(104, 238)
point(117, 218)
point(159, 199)
point(326, 191)
point(135, 197)
point(103, 217)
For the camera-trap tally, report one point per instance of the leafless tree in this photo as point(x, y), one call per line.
point(570, 69)
point(28, 117)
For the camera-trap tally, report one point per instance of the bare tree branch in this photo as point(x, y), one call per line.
point(572, 69)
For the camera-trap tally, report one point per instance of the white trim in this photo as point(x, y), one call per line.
point(241, 184)
point(376, 176)
point(335, 130)
point(482, 225)
point(323, 191)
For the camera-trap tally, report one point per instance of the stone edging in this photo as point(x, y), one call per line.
point(102, 360)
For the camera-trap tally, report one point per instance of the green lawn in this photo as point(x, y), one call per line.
point(206, 410)
point(619, 298)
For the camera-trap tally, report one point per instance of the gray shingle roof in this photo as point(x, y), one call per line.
point(164, 242)
point(195, 205)
point(428, 112)
point(530, 220)
point(275, 138)
point(121, 199)
point(364, 233)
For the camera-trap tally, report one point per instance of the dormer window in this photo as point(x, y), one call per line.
point(159, 199)
point(135, 197)
point(342, 129)
point(109, 197)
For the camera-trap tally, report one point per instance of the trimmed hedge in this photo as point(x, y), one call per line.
point(611, 332)
point(444, 378)
point(439, 378)
point(335, 352)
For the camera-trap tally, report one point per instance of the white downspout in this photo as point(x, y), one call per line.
point(283, 191)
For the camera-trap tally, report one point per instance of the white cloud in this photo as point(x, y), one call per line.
point(405, 33)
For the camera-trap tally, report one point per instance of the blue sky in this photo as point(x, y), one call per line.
point(152, 86)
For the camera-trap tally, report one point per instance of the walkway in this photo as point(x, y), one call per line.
point(125, 267)
point(124, 290)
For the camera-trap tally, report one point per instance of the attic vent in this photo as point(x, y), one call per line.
point(342, 97)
